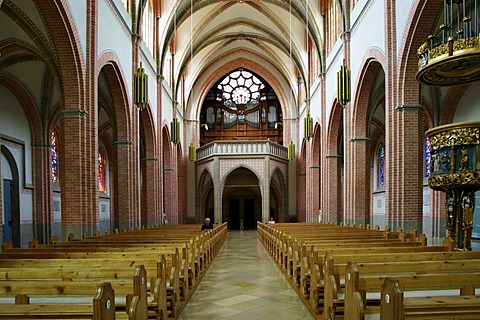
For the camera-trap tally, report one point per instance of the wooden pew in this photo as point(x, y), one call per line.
point(339, 268)
point(103, 307)
point(395, 306)
point(316, 256)
point(279, 245)
point(177, 278)
point(132, 249)
point(23, 290)
point(466, 281)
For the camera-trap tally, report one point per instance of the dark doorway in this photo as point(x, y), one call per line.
point(249, 214)
point(7, 209)
point(234, 214)
point(11, 196)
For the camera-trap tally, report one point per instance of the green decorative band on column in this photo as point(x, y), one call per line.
point(409, 107)
point(74, 113)
point(150, 159)
point(360, 139)
point(315, 167)
point(123, 143)
point(334, 156)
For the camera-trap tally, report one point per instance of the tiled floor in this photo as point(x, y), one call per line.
point(243, 283)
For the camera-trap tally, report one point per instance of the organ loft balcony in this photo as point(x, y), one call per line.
point(242, 149)
point(242, 182)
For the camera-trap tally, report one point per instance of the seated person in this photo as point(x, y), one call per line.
point(207, 225)
point(271, 221)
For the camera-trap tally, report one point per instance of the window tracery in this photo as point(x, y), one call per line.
point(241, 105)
point(427, 158)
point(381, 166)
point(54, 157)
point(101, 172)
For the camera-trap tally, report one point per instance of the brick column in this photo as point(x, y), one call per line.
point(406, 208)
point(359, 202)
point(309, 183)
point(314, 171)
point(90, 197)
point(124, 186)
point(173, 185)
point(42, 192)
point(334, 207)
point(302, 183)
point(75, 186)
point(151, 214)
point(159, 194)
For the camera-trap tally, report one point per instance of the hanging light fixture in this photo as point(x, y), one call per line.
point(140, 88)
point(308, 126)
point(291, 151)
point(175, 130)
point(451, 56)
point(343, 85)
point(192, 152)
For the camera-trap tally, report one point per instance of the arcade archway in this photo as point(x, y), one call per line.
point(242, 200)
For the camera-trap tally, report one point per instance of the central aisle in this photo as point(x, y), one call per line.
point(244, 283)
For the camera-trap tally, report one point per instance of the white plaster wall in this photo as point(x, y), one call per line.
point(14, 124)
point(152, 92)
point(331, 84)
point(368, 31)
point(167, 104)
point(316, 101)
point(403, 9)
point(469, 105)
point(6, 170)
point(114, 36)
point(26, 206)
point(57, 215)
point(79, 14)
point(378, 217)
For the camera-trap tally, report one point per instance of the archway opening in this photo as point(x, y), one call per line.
point(242, 200)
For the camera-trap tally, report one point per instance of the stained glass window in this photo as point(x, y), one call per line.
point(381, 166)
point(427, 158)
point(54, 156)
point(241, 87)
point(101, 173)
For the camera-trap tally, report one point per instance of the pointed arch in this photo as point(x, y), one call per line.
point(205, 196)
point(333, 208)
point(302, 182)
point(315, 170)
point(278, 196)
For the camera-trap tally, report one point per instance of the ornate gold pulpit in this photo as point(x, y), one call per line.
point(455, 169)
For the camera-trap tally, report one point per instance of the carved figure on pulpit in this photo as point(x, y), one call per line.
point(463, 160)
point(445, 160)
point(467, 223)
point(450, 216)
point(436, 165)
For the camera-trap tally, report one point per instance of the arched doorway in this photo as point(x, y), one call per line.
point(11, 201)
point(241, 200)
